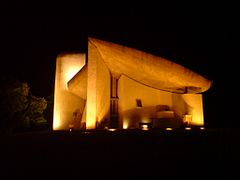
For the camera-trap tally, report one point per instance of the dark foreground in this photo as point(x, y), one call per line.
point(121, 154)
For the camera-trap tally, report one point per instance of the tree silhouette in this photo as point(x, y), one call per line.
point(18, 107)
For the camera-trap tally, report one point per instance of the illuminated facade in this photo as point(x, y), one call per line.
point(113, 86)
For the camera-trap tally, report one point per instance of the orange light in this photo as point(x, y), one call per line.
point(187, 128)
point(202, 128)
point(72, 71)
point(145, 127)
point(112, 129)
point(56, 120)
point(125, 124)
point(91, 114)
point(169, 129)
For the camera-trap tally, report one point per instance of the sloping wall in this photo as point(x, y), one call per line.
point(78, 84)
point(103, 91)
point(130, 90)
point(98, 89)
point(65, 102)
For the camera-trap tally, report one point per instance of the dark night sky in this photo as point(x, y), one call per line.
point(205, 44)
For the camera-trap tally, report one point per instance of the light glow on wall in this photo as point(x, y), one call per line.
point(197, 119)
point(145, 120)
point(56, 121)
point(72, 71)
point(91, 115)
point(187, 128)
point(91, 123)
point(169, 129)
point(125, 124)
point(195, 102)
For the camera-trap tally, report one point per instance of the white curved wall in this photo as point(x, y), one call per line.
point(65, 102)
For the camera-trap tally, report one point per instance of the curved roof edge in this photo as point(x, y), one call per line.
point(148, 69)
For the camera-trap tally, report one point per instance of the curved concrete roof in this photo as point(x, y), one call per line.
point(150, 70)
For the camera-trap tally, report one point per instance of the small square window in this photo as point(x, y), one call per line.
point(139, 102)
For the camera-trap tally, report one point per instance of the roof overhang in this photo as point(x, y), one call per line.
point(148, 69)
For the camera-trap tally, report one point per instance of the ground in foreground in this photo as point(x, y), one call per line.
point(121, 154)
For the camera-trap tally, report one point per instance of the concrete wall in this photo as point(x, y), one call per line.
point(65, 102)
point(103, 91)
point(130, 90)
point(98, 89)
point(189, 104)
